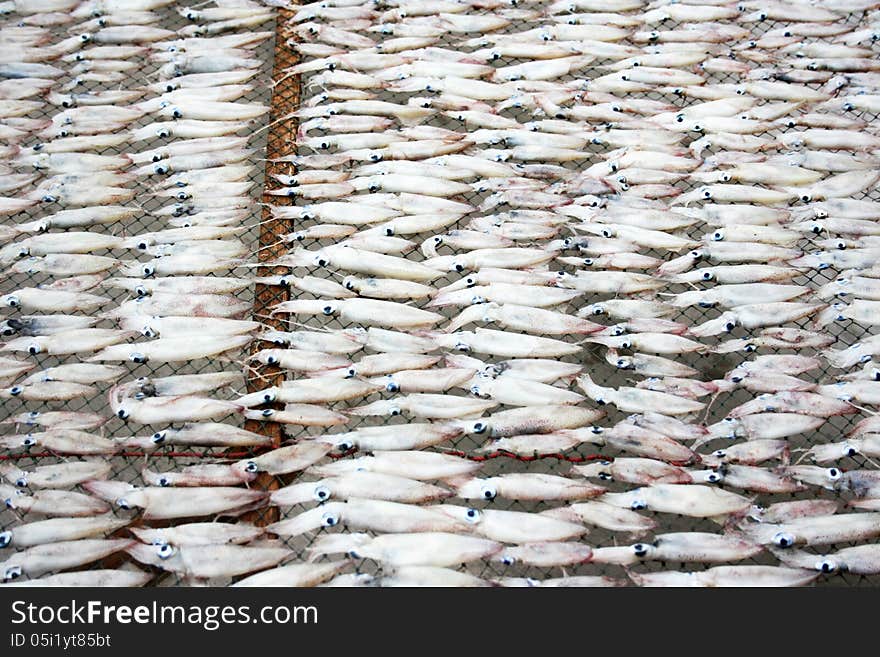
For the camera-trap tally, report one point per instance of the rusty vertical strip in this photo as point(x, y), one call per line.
point(281, 141)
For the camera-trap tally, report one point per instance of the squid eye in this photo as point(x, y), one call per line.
point(345, 445)
point(271, 360)
point(163, 132)
point(394, 411)
point(750, 348)
point(165, 551)
point(730, 326)
point(598, 310)
point(13, 301)
point(508, 560)
point(122, 414)
point(5, 539)
point(833, 474)
point(34, 349)
point(783, 540)
point(351, 372)
point(640, 549)
point(327, 310)
point(488, 492)
point(251, 466)
point(85, 37)
point(15, 390)
point(164, 482)
point(392, 387)
point(21, 482)
point(472, 515)
point(137, 357)
point(707, 193)
point(479, 427)
point(158, 437)
point(601, 401)
point(826, 566)
point(719, 453)
point(389, 232)
point(29, 441)
point(321, 494)
point(713, 477)
point(638, 505)
point(12, 572)
point(330, 520)
point(160, 170)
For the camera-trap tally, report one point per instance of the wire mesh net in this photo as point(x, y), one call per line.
point(151, 213)
point(275, 136)
point(710, 365)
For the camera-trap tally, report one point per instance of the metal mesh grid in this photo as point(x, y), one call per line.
point(710, 366)
point(127, 465)
point(285, 98)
